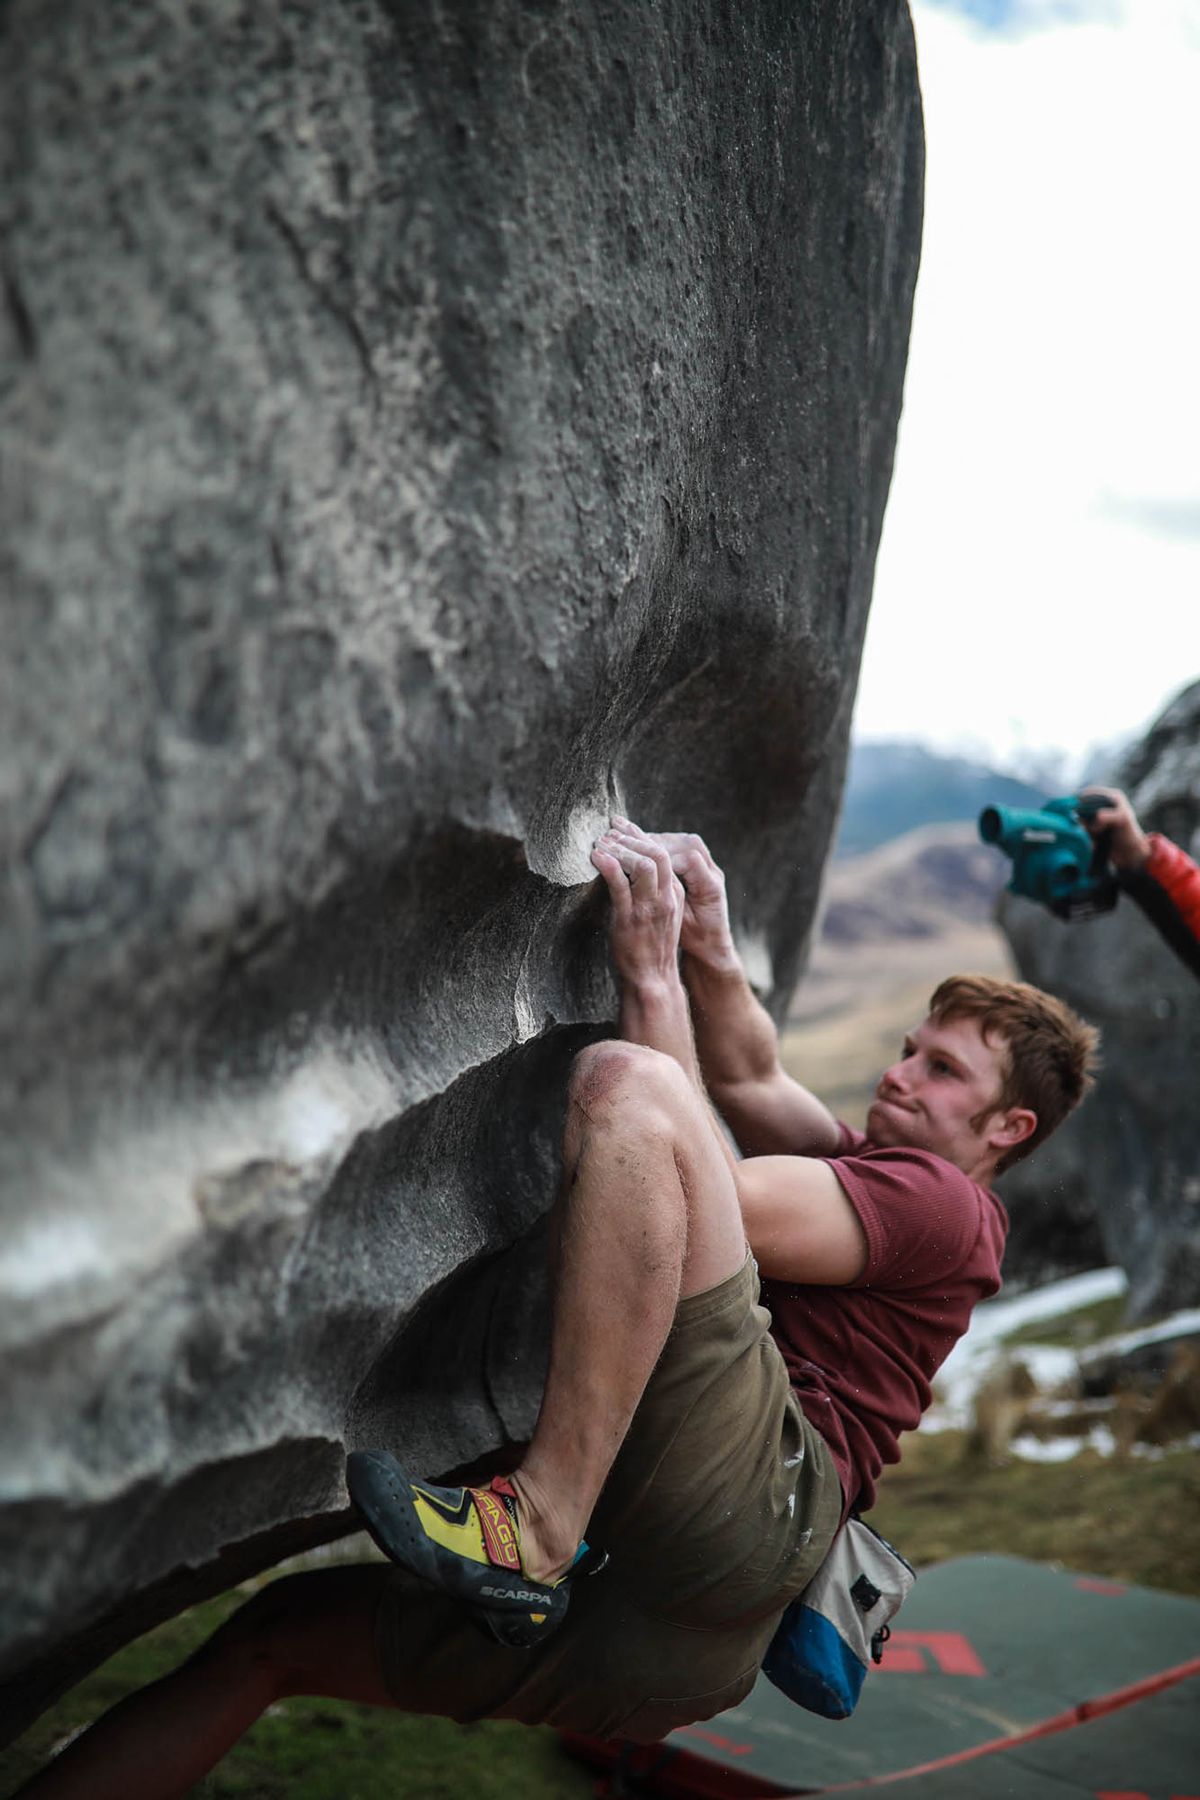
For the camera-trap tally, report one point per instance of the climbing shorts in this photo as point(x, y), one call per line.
point(720, 1506)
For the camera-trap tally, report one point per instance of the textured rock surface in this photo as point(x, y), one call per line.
point(1121, 1180)
point(422, 426)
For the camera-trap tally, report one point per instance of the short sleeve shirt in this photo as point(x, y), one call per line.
point(862, 1358)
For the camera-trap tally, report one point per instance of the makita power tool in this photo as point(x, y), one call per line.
point(1055, 859)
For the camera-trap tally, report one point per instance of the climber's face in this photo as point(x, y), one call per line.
point(942, 1094)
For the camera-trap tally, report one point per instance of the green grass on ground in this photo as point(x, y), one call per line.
point(318, 1749)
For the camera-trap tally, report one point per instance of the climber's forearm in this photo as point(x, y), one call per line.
point(737, 1045)
point(736, 1040)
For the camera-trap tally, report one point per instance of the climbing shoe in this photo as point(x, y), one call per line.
point(464, 1540)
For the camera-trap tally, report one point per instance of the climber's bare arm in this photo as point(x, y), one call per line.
point(736, 1041)
point(799, 1222)
point(767, 1110)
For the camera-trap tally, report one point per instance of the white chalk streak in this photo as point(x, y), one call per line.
point(130, 1200)
point(47, 1253)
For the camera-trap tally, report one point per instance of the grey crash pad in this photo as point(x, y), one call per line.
point(1148, 1750)
point(988, 1649)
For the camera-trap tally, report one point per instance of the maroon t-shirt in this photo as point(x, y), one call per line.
point(861, 1358)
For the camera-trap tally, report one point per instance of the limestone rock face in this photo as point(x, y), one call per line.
point(1122, 1176)
point(423, 428)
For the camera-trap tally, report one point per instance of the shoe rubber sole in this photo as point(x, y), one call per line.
point(463, 1541)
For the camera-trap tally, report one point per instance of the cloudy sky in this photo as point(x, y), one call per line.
point(1038, 582)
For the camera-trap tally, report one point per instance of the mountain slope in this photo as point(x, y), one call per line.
point(894, 922)
point(892, 788)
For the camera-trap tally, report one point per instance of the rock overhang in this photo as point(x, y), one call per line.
point(424, 435)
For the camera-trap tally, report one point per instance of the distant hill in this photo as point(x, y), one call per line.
point(892, 788)
point(926, 884)
point(894, 922)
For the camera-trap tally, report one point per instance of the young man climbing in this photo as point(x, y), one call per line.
point(709, 1448)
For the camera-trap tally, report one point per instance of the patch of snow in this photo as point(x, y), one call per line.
point(1061, 1449)
point(1180, 1324)
point(1051, 1365)
point(982, 1347)
point(1098, 1438)
point(1063, 1409)
point(1156, 1452)
point(1000, 1318)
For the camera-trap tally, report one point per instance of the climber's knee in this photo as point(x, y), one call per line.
point(628, 1088)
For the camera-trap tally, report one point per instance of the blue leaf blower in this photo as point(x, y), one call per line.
point(1055, 859)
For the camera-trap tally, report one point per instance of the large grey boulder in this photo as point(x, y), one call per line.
point(1121, 1180)
point(424, 426)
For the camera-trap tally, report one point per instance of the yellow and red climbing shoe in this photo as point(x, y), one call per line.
point(464, 1540)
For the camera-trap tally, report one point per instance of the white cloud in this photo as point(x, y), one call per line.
point(1038, 582)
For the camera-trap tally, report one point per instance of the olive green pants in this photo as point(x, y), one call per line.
point(719, 1508)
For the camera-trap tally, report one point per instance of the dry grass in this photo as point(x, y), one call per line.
point(1125, 1518)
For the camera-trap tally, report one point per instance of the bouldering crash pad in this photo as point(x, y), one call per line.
point(1006, 1677)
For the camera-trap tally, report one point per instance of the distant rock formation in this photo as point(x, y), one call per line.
point(423, 428)
point(1121, 1180)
